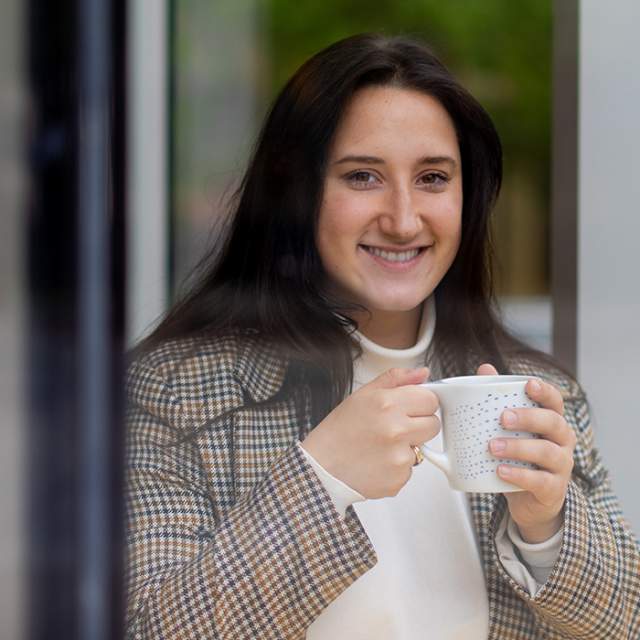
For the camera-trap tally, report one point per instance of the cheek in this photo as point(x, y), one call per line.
point(448, 223)
point(341, 216)
point(330, 232)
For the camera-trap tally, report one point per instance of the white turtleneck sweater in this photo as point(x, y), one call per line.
point(428, 581)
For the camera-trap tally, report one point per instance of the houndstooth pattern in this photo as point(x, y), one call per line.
point(231, 535)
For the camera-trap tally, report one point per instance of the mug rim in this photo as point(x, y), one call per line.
point(479, 380)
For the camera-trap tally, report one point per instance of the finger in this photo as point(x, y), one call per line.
point(415, 400)
point(548, 488)
point(546, 395)
point(397, 377)
point(406, 458)
point(421, 430)
point(544, 422)
point(414, 430)
point(487, 369)
point(543, 453)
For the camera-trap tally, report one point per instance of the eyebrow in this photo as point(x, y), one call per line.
point(375, 160)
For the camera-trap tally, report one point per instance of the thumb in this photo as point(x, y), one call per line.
point(487, 370)
point(398, 377)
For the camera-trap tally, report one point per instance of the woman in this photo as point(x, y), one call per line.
point(275, 415)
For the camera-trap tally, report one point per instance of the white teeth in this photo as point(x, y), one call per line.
point(393, 256)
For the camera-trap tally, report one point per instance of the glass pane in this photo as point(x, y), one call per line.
point(219, 66)
point(11, 318)
point(230, 59)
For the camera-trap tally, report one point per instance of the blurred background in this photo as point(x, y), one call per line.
point(230, 59)
point(190, 82)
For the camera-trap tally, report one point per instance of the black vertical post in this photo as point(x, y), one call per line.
point(564, 181)
point(76, 58)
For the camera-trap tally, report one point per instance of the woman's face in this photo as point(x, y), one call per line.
point(390, 217)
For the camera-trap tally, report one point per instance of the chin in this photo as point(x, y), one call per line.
point(397, 306)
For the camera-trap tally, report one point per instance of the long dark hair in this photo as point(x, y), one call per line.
point(265, 275)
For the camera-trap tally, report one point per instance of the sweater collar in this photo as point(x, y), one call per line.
point(425, 335)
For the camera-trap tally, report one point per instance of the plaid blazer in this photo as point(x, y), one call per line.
point(230, 534)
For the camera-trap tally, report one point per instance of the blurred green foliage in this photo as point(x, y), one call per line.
point(499, 49)
point(230, 58)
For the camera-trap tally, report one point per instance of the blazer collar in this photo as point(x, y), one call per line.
point(260, 368)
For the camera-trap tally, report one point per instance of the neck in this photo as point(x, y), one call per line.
point(391, 329)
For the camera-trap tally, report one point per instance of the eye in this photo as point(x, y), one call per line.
point(434, 181)
point(361, 179)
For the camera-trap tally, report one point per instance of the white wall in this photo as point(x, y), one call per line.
point(609, 236)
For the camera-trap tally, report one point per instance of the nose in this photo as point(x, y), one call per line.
point(400, 218)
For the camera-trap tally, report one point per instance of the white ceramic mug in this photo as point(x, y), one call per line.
point(471, 407)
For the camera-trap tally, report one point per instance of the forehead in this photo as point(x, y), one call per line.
point(393, 118)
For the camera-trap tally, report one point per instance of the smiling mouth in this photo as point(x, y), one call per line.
point(394, 256)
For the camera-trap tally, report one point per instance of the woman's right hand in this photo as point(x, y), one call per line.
point(367, 440)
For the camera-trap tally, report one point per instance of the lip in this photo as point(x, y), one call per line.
point(396, 267)
point(398, 249)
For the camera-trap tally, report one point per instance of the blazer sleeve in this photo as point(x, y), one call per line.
point(266, 569)
point(593, 590)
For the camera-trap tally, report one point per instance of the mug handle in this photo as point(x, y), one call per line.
point(438, 458)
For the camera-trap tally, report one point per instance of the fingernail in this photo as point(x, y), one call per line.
point(535, 386)
point(509, 418)
point(504, 471)
point(497, 446)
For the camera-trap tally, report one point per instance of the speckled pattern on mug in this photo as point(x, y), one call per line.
point(473, 425)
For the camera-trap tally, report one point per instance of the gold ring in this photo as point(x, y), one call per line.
point(419, 455)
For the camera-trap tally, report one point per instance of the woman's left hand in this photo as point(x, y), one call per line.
point(538, 510)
